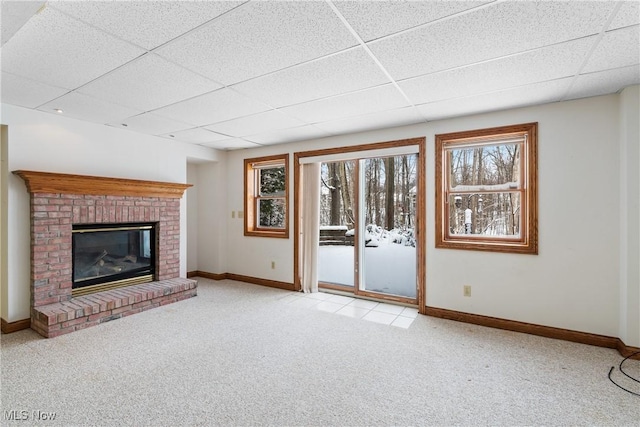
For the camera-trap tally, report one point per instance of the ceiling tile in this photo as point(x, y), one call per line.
point(352, 104)
point(374, 19)
point(292, 71)
point(552, 62)
point(85, 107)
point(55, 49)
point(195, 136)
point(344, 72)
point(257, 123)
point(15, 14)
point(145, 23)
point(618, 48)
point(147, 83)
point(282, 136)
point(629, 14)
point(17, 90)
point(604, 82)
point(383, 119)
point(491, 32)
point(260, 37)
point(539, 93)
point(151, 124)
point(231, 144)
point(218, 106)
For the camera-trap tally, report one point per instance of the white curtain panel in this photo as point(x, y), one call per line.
point(310, 226)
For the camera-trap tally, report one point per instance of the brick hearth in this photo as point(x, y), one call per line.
point(82, 312)
point(54, 311)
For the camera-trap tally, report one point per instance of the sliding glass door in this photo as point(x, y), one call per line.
point(368, 227)
point(387, 226)
point(336, 254)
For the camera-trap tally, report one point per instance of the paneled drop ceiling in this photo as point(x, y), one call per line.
point(236, 74)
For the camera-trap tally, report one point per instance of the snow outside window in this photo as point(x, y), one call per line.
point(266, 195)
point(486, 185)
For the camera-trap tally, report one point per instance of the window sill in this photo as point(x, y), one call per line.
point(504, 247)
point(273, 234)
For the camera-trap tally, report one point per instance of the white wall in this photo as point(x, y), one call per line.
point(252, 256)
point(212, 218)
point(192, 217)
point(4, 173)
point(573, 283)
point(585, 277)
point(45, 142)
point(630, 216)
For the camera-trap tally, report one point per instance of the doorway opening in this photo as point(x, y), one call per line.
point(371, 220)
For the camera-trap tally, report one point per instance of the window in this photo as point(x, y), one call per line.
point(266, 196)
point(486, 189)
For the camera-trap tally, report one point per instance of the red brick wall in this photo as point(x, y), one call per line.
point(52, 218)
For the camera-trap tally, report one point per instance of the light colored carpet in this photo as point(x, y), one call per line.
point(238, 355)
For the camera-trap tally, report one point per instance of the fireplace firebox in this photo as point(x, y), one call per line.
point(108, 256)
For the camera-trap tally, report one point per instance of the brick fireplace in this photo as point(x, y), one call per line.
point(58, 203)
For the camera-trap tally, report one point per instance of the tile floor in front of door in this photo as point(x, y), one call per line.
point(379, 312)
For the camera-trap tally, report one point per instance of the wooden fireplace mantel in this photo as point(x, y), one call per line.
point(46, 182)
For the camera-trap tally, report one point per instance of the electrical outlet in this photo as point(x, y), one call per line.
point(240, 214)
point(467, 290)
point(233, 214)
point(273, 265)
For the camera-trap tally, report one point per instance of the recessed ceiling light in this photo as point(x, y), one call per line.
point(58, 110)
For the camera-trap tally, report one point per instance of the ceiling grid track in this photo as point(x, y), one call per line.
point(596, 42)
point(374, 58)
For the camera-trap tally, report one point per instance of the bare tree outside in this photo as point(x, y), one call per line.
point(485, 184)
point(336, 200)
point(271, 203)
point(389, 192)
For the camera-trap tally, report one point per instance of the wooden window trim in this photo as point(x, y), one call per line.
point(527, 243)
point(251, 227)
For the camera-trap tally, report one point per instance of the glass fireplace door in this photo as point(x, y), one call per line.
point(113, 255)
